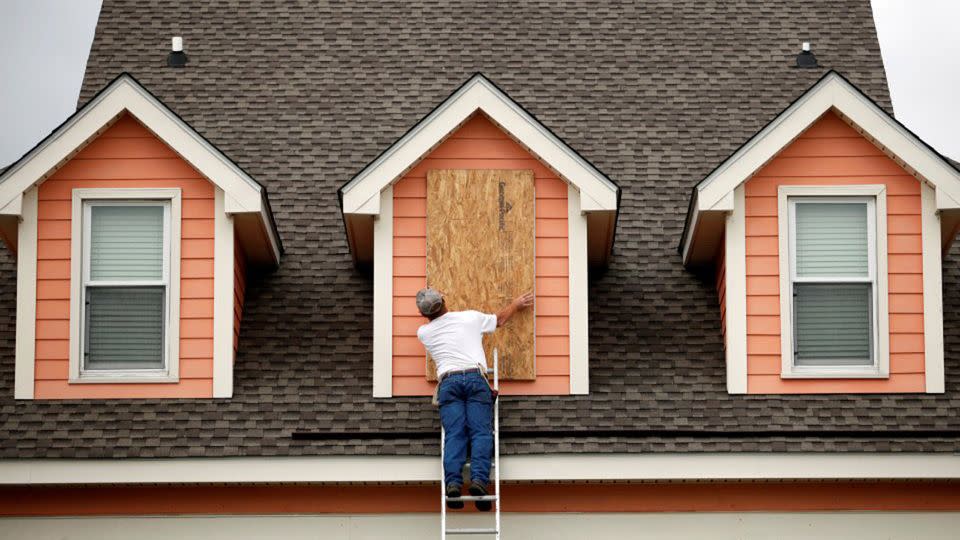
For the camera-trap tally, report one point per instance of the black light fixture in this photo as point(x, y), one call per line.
point(177, 58)
point(806, 59)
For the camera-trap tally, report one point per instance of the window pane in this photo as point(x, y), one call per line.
point(126, 243)
point(124, 328)
point(833, 323)
point(832, 239)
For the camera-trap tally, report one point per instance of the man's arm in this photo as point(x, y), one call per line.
point(519, 304)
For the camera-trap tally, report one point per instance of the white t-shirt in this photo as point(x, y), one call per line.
point(455, 339)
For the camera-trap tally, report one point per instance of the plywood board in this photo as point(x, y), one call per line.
point(480, 254)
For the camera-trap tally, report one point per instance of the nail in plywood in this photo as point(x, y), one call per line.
point(480, 249)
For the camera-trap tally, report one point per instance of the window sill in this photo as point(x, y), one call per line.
point(124, 378)
point(869, 373)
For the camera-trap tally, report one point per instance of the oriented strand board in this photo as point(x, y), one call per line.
point(480, 249)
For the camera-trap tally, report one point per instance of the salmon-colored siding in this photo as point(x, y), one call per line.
point(239, 288)
point(479, 144)
point(722, 290)
point(833, 153)
point(126, 155)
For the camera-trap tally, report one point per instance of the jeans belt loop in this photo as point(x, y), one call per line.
point(458, 372)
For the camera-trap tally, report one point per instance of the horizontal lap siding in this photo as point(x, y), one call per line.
point(126, 155)
point(832, 153)
point(239, 288)
point(722, 290)
point(479, 144)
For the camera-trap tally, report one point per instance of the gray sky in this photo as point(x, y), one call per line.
point(46, 43)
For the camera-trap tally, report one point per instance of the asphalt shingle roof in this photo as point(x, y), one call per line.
point(304, 94)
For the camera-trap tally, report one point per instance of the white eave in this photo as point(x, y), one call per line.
point(360, 197)
point(649, 467)
point(713, 196)
point(244, 198)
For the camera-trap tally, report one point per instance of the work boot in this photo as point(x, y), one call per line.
point(453, 490)
point(479, 490)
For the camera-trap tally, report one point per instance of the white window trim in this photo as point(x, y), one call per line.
point(79, 237)
point(878, 247)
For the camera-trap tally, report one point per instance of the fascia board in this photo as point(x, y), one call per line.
point(409, 149)
point(125, 94)
point(524, 128)
point(191, 146)
point(478, 94)
point(243, 194)
point(725, 204)
point(898, 141)
point(72, 135)
point(834, 92)
point(371, 207)
point(14, 207)
point(522, 468)
point(771, 140)
point(945, 201)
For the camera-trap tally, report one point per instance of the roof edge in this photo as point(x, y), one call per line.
point(125, 94)
point(832, 91)
point(531, 467)
point(477, 93)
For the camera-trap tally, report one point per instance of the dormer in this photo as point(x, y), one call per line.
point(132, 234)
point(825, 231)
point(484, 201)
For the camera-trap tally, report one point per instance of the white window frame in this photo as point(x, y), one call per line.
point(83, 200)
point(875, 197)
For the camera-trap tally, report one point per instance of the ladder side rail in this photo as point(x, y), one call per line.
point(496, 438)
point(443, 488)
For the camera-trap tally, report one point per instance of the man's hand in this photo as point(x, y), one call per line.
point(520, 303)
point(523, 301)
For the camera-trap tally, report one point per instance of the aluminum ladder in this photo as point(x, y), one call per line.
point(495, 465)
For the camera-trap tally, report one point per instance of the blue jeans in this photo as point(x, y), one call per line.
point(466, 412)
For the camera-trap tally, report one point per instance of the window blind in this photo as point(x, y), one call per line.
point(831, 240)
point(126, 243)
point(832, 324)
point(125, 327)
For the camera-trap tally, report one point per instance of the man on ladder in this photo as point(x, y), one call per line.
point(454, 341)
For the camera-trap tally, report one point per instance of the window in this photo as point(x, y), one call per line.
point(835, 284)
point(127, 289)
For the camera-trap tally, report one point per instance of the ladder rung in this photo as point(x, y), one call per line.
point(474, 498)
point(471, 531)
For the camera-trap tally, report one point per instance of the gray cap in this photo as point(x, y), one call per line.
point(429, 301)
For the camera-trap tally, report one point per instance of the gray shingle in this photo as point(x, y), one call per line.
point(304, 94)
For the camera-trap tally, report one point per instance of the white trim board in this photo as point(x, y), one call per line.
point(359, 197)
point(519, 468)
point(478, 93)
point(735, 283)
point(932, 292)
point(125, 94)
point(26, 325)
point(223, 298)
point(832, 92)
point(383, 297)
point(577, 291)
